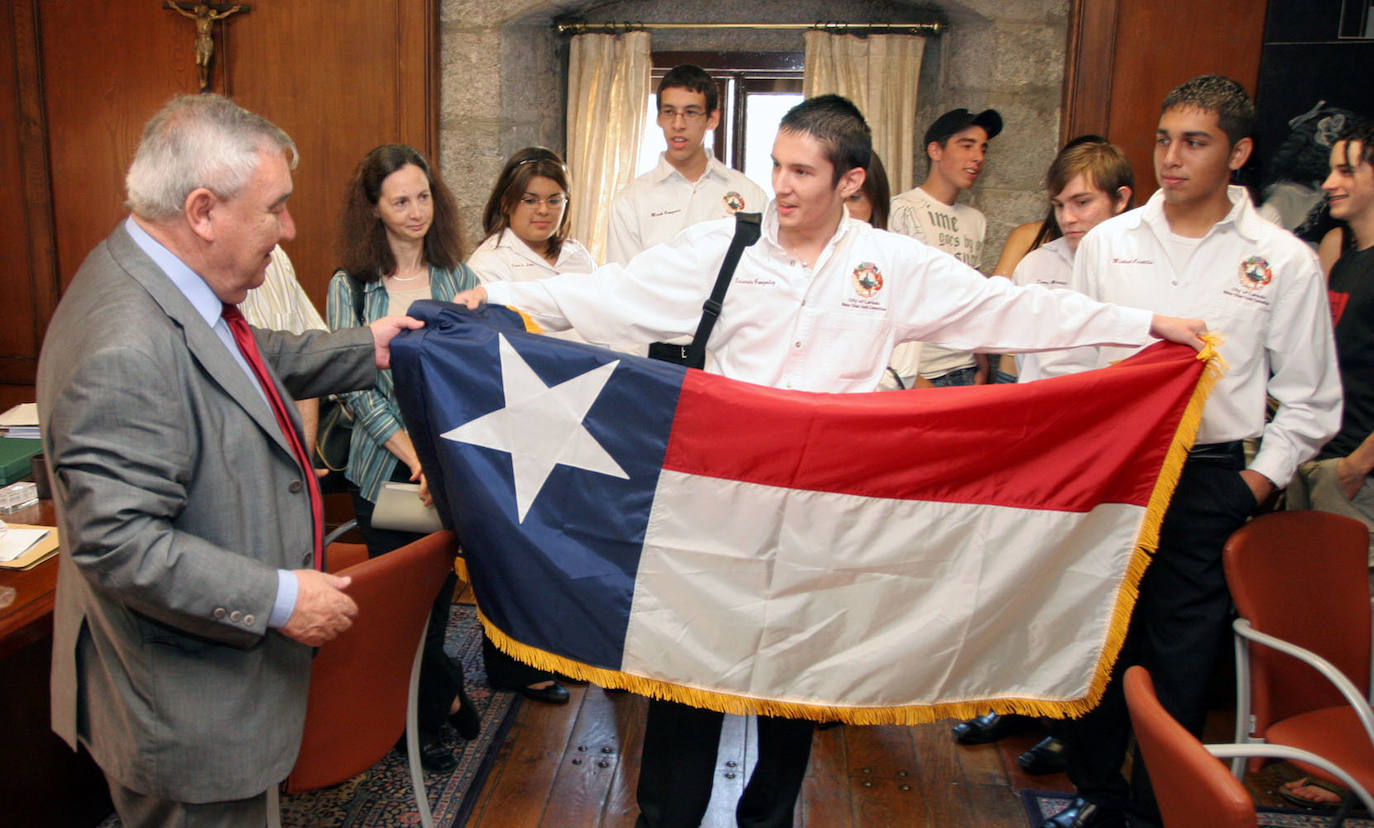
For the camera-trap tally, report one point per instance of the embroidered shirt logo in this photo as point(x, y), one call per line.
point(867, 280)
point(733, 201)
point(1255, 273)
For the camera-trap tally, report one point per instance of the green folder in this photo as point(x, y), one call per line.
point(14, 458)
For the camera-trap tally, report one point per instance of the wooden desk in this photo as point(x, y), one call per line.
point(44, 783)
point(29, 618)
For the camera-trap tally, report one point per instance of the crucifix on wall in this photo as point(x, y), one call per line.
point(205, 15)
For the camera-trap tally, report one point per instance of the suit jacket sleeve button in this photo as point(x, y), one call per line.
point(249, 619)
point(218, 613)
point(294, 487)
point(236, 616)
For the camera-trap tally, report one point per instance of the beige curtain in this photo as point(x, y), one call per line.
point(879, 74)
point(608, 89)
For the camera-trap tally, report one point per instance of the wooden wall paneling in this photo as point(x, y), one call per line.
point(340, 78)
point(106, 68)
point(1088, 68)
point(417, 77)
point(18, 327)
point(1162, 43)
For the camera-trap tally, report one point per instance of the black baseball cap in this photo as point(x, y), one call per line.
point(958, 120)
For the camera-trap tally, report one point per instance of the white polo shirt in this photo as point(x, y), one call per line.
point(1252, 282)
point(830, 327)
point(658, 205)
point(958, 230)
point(1050, 265)
point(505, 257)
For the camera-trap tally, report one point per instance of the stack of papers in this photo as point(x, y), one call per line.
point(20, 421)
point(24, 546)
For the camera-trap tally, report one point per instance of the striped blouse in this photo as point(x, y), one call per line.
point(376, 416)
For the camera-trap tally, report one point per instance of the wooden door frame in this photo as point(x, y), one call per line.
point(1088, 67)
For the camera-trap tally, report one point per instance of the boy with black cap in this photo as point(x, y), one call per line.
point(956, 147)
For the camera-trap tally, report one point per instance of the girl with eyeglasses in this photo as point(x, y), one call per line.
point(527, 223)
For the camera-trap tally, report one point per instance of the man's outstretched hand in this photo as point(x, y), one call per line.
point(1180, 330)
point(472, 299)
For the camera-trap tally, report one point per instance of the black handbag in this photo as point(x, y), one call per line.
point(748, 226)
point(335, 431)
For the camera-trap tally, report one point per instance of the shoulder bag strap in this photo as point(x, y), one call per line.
point(747, 230)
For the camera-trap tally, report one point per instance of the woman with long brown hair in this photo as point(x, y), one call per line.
point(398, 242)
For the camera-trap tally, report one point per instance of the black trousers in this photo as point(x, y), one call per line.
point(505, 673)
point(440, 677)
point(678, 767)
point(1178, 632)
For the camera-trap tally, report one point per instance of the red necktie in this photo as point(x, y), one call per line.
point(248, 346)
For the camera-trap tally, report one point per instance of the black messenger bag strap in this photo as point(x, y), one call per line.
point(747, 230)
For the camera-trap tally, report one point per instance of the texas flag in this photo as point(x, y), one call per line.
point(890, 557)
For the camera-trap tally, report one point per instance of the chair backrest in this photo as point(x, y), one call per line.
point(1303, 577)
point(1192, 786)
point(359, 682)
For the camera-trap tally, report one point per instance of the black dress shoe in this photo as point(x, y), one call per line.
point(1085, 814)
point(465, 720)
point(1046, 757)
point(434, 757)
point(553, 694)
point(990, 727)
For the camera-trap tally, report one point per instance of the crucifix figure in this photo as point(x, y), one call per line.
point(205, 17)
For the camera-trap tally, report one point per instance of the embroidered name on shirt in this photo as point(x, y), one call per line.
point(757, 282)
point(1134, 260)
point(661, 213)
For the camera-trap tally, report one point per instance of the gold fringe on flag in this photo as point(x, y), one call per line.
point(530, 325)
point(1147, 541)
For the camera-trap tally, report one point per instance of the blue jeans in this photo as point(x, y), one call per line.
point(960, 376)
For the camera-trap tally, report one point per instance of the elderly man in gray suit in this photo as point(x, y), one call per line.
point(187, 598)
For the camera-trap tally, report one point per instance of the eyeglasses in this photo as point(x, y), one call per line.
point(554, 201)
point(691, 114)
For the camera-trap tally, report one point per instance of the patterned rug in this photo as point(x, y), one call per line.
point(380, 796)
point(1041, 805)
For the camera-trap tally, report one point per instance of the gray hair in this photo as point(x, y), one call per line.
point(198, 141)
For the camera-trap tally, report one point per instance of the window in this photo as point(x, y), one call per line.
point(756, 90)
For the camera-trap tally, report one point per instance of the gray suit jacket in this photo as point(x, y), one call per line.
point(178, 498)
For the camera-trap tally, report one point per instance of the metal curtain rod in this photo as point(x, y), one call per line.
point(933, 28)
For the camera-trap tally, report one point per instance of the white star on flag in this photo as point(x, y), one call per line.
point(541, 426)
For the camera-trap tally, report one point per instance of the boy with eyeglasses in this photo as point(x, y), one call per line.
point(689, 185)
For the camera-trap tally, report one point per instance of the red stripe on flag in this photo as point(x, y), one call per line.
point(1067, 443)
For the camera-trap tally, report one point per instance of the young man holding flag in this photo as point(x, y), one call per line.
point(1199, 246)
point(816, 305)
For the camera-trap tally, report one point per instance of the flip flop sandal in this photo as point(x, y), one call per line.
point(1309, 804)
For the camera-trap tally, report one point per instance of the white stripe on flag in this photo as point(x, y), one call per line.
point(872, 602)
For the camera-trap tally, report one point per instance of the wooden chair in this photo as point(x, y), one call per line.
point(363, 683)
point(1300, 583)
point(1193, 788)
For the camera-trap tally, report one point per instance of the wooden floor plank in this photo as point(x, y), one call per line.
point(883, 789)
point(824, 801)
point(589, 764)
point(517, 792)
point(941, 776)
point(630, 710)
